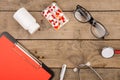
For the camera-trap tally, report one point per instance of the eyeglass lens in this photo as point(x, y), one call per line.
point(82, 15)
point(98, 30)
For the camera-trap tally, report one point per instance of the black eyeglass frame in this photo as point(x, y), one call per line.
point(92, 21)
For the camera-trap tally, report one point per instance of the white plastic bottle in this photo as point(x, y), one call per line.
point(26, 20)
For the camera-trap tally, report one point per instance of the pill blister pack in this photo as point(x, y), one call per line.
point(55, 16)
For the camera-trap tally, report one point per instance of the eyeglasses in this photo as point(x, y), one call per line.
point(97, 29)
point(86, 65)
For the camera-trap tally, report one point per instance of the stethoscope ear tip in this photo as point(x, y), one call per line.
point(75, 69)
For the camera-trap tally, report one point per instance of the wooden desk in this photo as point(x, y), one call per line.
point(73, 44)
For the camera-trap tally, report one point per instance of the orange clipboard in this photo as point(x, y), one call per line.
point(16, 63)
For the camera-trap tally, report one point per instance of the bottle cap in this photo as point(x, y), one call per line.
point(33, 28)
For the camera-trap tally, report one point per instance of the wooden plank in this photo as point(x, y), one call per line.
point(66, 5)
point(107, 74)
point(72, 30)
point(72, 52)
point(87, 74)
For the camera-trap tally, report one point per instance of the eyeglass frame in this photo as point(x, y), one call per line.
point(92, 21)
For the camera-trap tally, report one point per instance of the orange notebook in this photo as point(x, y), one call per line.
point(16, 63)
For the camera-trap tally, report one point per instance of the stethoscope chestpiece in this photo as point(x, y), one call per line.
point(107, 52)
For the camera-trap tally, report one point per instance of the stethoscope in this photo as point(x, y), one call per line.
point(88, 64)
point(108, 52)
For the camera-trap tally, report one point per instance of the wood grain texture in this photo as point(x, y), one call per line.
point(87, 74)
point(66, 5)
point(72, 52)
point(107, 74)
point(72, 30)
point(76, 44)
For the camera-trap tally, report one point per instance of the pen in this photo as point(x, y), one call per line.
point(63, 71)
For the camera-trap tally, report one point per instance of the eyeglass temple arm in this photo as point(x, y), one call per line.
point(95, 72)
